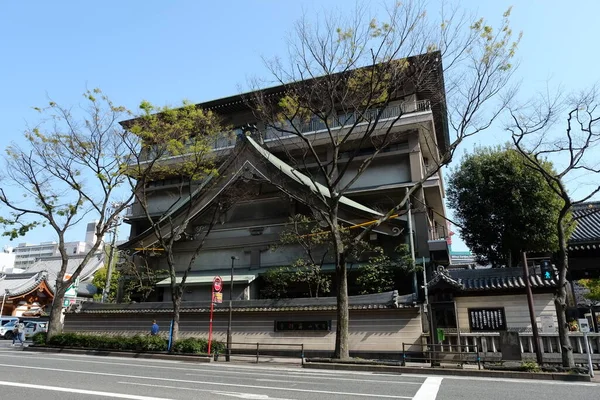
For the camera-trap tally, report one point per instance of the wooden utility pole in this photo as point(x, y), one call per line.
point(534, 327)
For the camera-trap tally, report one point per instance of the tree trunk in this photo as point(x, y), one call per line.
point(55, 326)
point(176, 298)
point(560, 301)
point(342, 350)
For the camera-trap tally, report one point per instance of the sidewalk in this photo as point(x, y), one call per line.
point(426, 370)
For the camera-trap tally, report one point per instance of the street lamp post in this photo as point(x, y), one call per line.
point(4, 300)
point(228, 355)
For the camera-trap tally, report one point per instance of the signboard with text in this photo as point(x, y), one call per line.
point(217, 297)
point(487, 319)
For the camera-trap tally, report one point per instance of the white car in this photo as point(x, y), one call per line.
point(7, 320)
point(33, 327)
point(6, 331)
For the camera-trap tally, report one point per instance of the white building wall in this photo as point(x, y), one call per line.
point(7, 262)
point(515, 308)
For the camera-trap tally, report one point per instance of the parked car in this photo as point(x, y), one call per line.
point(6, 331)
point(33, 327)
point(7, 319)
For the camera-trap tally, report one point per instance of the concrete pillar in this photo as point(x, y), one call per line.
point(415, 157)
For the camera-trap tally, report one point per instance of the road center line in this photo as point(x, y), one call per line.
point(312, 376)
point(212, 370)
point(201, 382)
point(80, 391)
point(272, 388)
point(429, 389)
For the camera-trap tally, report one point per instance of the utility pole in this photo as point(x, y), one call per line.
point(411, 243)
point(4, 300)
point(228, 355)
point(534, 327)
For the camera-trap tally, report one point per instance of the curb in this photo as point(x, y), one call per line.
point(448, 371)
point(124, 354)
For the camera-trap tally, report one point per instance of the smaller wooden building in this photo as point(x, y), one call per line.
point(490, 300)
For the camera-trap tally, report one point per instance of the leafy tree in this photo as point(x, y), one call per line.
point(342, 76)
point(593, 285)
point(277, 281)
point(70, 166)
point(99, 282)
point(502, 206)
point(177, 144)
point(139, 280)
point(382, 272)
point(306, 233)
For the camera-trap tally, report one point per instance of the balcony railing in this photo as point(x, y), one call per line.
point(437, 233)
point(228, 139)
point(347, 120)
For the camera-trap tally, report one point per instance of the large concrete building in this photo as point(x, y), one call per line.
point(259, 162)
point(27, 254)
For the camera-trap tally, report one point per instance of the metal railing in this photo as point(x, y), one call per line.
point(348, 119)
point(437, 233)
point(246, 349)
point(436, 355)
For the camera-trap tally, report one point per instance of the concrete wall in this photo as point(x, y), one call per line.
point(515, 308)
point(370, 330)
point(385, 171)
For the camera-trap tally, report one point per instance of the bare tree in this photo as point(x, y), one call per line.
point(342, 79)
point(540, 135)
point(177, 146)
point(69, 168)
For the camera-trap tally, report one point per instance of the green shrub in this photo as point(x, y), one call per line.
point(197, 346)
point(530, 366)
point(39, 338)
point(137, 343)
point(106, 342)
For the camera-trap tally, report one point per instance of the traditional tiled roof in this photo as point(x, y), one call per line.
point(252, 160)
point(20, 284)
point(387, 300)
point(486, 279)
point(587, 229)
point(52, 266)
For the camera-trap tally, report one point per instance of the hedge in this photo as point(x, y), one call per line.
point(138, 343)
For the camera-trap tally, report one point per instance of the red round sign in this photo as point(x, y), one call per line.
point(217, 284)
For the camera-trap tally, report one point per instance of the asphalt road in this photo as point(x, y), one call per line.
point(30, 375)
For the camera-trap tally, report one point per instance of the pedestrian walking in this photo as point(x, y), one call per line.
point(19, 333)
point(154, 329)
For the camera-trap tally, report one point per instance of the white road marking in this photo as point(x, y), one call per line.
point(303, 383)
point(201, 382)
point(249, 396)
point(80, 391)
point(219, 392)
point(511, 380)
point(429, 389)
point(312, 376)
point(217, 370)
point(271, 388)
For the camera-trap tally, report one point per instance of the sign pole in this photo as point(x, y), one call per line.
point(215, 291)
point(588, 350)
point(534, 327)
point(210, 324)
